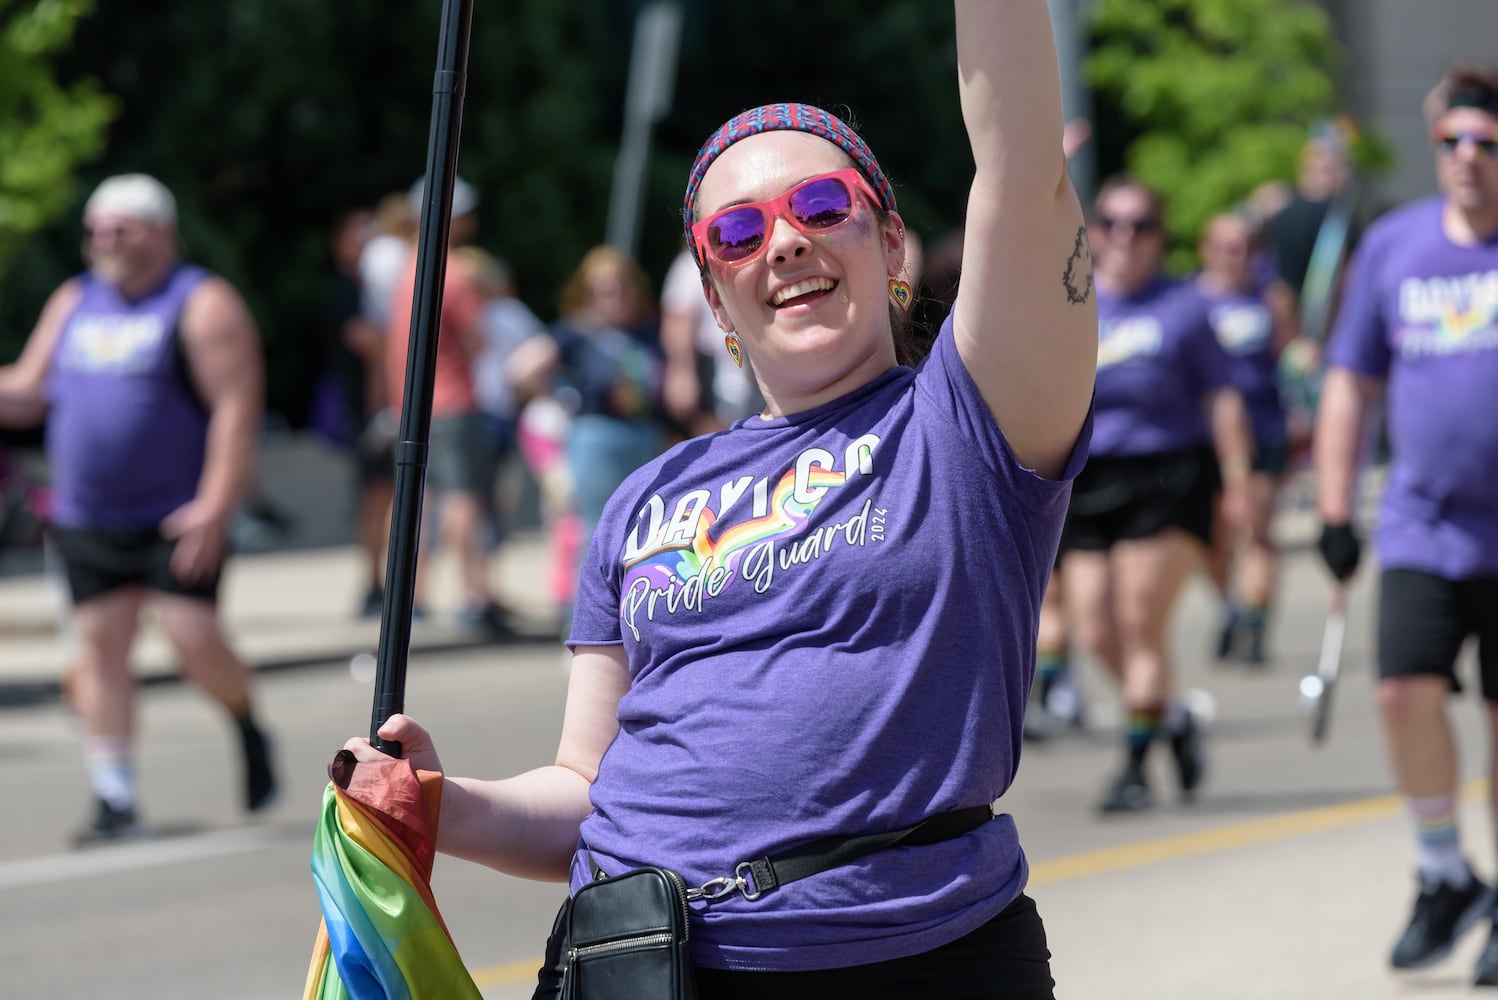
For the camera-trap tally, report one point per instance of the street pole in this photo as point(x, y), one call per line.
point(1069, 23)
point(652, 78)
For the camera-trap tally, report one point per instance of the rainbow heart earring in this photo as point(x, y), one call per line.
point(735, 349)
point(899, 293)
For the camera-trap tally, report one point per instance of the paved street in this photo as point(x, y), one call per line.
point(1287, 880)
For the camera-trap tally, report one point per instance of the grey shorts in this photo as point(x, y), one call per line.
point(458, 455)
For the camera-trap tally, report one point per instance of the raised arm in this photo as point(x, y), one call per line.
point(22, 382)
point(1025, 319)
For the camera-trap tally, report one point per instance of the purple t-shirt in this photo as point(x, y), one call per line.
point(1157, 358)
point(126, 433)
point(1245, 329)
point(1422, 313)
point(830, 623)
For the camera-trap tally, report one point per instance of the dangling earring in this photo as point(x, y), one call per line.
point(735, 349)
point(899, 293)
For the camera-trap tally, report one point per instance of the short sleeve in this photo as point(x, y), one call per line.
point(1207, 361)
point(1359, 339)
point(947, 385)
point(595, 615)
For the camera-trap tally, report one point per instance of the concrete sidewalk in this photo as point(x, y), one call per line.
point(282, 609)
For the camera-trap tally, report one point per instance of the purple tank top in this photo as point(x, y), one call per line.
point(126, 432)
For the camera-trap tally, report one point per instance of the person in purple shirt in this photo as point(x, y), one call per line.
point(148, 372)
point(1255, 321)
point(820, 622)
point(1420, 319)
point(1170, 427)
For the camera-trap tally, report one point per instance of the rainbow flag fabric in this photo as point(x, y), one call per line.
point(381, 936)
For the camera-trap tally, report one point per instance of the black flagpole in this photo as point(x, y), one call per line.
point(421, 363)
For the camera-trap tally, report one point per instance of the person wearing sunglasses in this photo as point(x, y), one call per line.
point(1255, 320)
point(820, 623)
point(1419, 327)
point(1171, 430)
point(148, 370)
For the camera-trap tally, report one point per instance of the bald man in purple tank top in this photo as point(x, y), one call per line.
point(148, 372)
point(1420, 317)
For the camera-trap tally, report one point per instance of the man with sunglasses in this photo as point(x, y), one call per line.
point(819, 625)
point(1421, 316)
point(148, 372)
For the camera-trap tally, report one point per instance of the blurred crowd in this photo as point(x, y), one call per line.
point(613, 374)
point(580, 391)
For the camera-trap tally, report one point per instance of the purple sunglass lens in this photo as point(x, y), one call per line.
point(737, 234)
point(822, 203)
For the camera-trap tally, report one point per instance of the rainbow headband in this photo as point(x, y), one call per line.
point(797, 118)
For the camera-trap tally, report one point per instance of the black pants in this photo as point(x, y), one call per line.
point(1005, 959)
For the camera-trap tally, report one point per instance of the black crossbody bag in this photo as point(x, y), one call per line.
point(625, 937)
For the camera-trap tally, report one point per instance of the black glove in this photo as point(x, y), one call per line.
point(1340, 550)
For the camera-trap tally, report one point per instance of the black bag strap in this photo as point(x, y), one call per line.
point(755, 878)
point(830, 852)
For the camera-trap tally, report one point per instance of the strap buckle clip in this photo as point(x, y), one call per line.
point(715, 888)
point(723, 886)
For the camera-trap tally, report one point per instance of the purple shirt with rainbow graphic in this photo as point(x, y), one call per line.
point(1422, 313)
point(1157, 360)
point(1245, 329)
point(830, 623)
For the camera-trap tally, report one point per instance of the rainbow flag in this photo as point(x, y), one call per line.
point(381, 936)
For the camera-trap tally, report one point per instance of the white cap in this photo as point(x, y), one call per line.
point(135, 196)
point(465, 197)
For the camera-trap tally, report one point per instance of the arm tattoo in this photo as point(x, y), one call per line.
point(1077, 278)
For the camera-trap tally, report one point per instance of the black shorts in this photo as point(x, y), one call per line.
point(1271, 459)
point(100, 560)
point(1139, 496)
point(1423, 619)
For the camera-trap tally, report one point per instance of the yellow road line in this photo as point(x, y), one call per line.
point(1226, 838)
point(508, 974)
point(1113, 859)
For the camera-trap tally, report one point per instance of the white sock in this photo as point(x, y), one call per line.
point(109, 774)
point(1437, 839)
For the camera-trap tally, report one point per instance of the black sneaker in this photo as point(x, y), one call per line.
point(1442, 914)
point(1129, 792)
point(109, 825)
point(489, 618)
point(1486, 972)
point(1255, 656)
point(1188, 748)
point(259, 778)
point(1227, 637)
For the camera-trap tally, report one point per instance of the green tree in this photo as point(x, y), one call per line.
point(1217, 95)
point(46, 129)
point(267, 117)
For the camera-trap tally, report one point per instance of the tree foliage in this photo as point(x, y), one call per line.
point(268, 117)
point(1217, 95)
point(46, 129)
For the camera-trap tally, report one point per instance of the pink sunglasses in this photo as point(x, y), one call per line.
point(737, 234)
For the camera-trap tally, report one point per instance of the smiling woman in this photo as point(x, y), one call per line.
point(777, 653)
